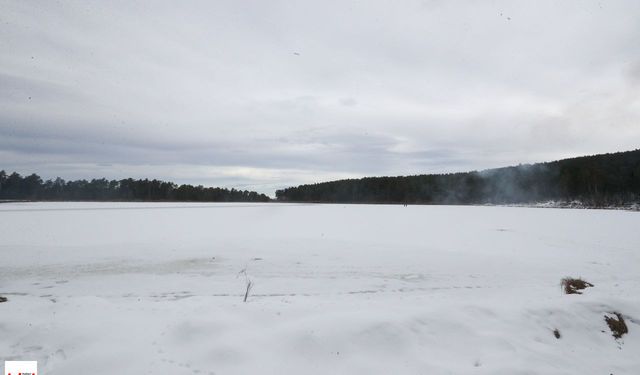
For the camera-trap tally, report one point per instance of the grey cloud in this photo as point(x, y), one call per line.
point(348, 102)
point(634, 72)
point(17, 90)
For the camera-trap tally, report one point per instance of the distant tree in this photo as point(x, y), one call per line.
point(32, 187)
point(597, 180)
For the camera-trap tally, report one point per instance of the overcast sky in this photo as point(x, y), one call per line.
point(265, 94)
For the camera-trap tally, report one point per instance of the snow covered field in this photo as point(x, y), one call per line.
point(125, 288)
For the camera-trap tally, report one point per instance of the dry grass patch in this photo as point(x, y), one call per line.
point(616, 324)
point(574, 286)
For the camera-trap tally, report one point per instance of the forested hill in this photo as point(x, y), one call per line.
point(16, 187)
point(599, 180)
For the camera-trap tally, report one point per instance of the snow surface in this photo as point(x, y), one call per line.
point(126, 288)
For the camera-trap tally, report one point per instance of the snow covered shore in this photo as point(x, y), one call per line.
point(575, 205)
point(124, 288)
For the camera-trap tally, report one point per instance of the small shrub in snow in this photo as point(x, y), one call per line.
point(3, 299)
point(249, 286)
point(574, 286)
point(248, 282)
point(616, 324)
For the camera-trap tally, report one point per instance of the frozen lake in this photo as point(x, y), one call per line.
point(123, 288)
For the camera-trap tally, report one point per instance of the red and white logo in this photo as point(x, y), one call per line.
point(20, 367)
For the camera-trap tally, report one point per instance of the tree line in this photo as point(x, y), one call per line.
point(598, 180)
point(16, 187)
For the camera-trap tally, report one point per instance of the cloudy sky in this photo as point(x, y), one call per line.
point(265, 94)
